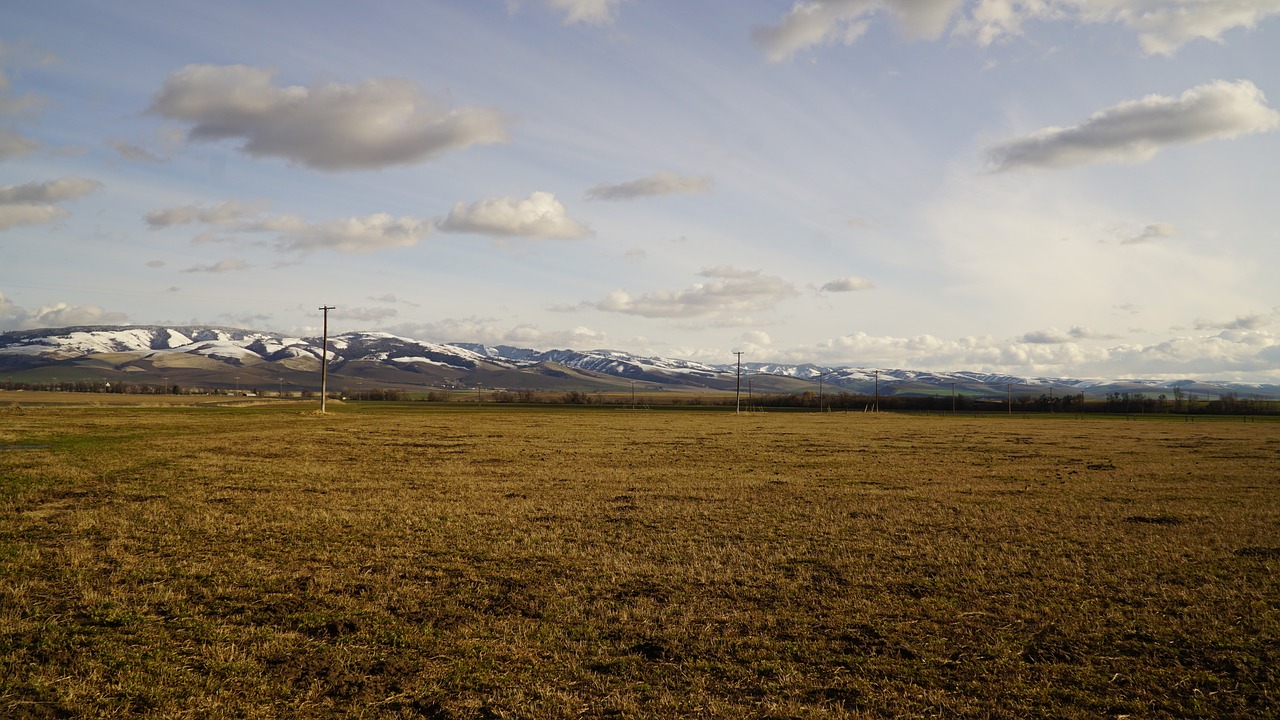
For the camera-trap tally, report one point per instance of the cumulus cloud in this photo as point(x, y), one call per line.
point(1163, 26)
point(729, 291)
point(34, 203)
point(374, 124)
point(15, 317)
point(1154, 231)
point(540, 216)
point(589, 12)
point(663, 183)
point(228, 265)
point(1135, 131)
point(850, 283)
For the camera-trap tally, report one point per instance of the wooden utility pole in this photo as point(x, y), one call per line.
point(737, 394)
point(324, 357)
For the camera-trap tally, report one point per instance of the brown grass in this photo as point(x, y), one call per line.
point(417, 561)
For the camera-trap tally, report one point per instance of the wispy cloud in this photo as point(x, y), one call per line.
point(849, 283)
point(228, 265)
point(1150, 233)
point(663, 183)
point(374, 124)
point(1163, 26)
point(730, 291)
point(369, 233)
point(134, 153)
point(363, 314)
point(224, 213)
point(1245, 322)
point(1135, 131)
point(588, 12)
point(540, 216)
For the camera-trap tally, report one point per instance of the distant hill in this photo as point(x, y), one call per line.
point(225, 358)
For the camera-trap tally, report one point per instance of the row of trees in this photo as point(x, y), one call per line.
point(1115, 402)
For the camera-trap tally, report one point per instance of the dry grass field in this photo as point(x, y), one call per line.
point(417, 561)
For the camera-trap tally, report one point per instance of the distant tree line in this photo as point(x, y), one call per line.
point(1181, 402)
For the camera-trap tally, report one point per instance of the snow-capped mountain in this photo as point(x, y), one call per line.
point(223, 357)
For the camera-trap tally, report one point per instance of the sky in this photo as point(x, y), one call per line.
point(1060, 188)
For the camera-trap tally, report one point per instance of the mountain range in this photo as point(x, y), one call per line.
point(224, 358)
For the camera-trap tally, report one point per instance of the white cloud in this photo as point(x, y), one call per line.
point(33, 203)
point(1135, 131)
point(1228, 354)
point(850, 283)
point(377, 123)
point(730, 292)
point(224, 213)
point(1154, 231)
point(821, 22)
point(370, 233)
point(590, 12)
point(379, 231)
point(1163, 26)
point(663, 183)
point(228, 265)
point(540, 216)
point(14, 317)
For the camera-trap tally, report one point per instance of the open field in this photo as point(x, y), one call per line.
point(443, 561)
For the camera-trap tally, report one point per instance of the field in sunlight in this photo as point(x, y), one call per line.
point(443, 561)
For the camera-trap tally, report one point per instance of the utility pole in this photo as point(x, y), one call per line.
point(1009, 388)
point(953, 398)
point(737, 394)
point(877, 391)
point(820, 375)
point(324, 357)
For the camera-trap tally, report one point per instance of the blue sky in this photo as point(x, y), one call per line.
point(1062, 187)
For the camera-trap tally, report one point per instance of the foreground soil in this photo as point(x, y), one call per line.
point(446, 562)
